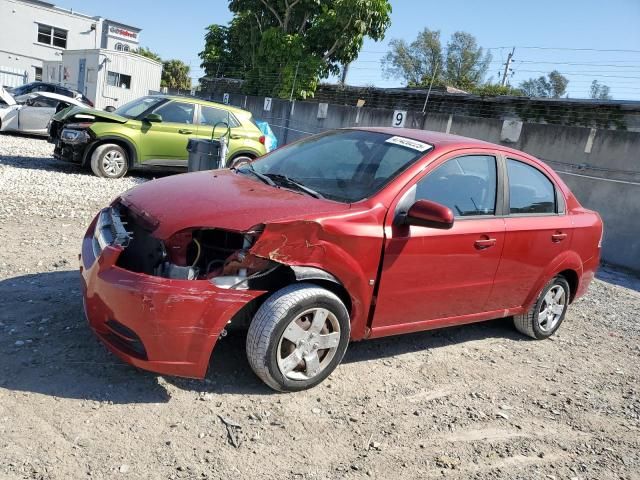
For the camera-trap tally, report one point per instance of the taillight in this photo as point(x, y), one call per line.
point(261, 139)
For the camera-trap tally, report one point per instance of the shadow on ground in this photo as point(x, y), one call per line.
point(617, 276)
point(46, 347)
point(50, 164)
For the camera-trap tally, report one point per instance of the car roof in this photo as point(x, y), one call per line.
point(238, 111)
point(447, 141)
point(439, 139)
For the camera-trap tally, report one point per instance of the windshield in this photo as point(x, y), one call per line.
point(136, 107)
point(343, 165)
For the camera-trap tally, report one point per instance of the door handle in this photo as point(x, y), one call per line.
point(558, 237)
point(485, 243)
point(185, 131)
point(235, 136)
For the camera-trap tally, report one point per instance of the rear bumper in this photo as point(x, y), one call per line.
point(589, 269)
point(162, 325)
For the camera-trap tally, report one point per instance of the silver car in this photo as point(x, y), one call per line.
point(31, 113)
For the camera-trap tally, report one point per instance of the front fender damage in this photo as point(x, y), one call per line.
point(311, 252)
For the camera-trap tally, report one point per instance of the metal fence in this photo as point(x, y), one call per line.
point(12, 77)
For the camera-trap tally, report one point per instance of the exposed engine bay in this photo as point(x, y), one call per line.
point(220, 256)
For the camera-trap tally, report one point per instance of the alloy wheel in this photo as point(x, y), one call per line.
point(113, 163)
point(308, 344)
point(551, 308)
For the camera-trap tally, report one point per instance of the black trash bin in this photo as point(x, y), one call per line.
point(204, 154)
point(208, 154)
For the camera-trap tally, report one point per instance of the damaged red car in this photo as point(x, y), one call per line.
point(348, 235)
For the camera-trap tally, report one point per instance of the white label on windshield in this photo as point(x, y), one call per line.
point(407, 142)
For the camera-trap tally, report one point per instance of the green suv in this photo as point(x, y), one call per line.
point(151, 131)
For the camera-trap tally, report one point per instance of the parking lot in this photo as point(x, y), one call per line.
point(478, 401)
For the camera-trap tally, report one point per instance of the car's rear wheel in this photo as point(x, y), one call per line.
point(298, 337)
point(110, 161)
point(546, 315)
point(240, 160)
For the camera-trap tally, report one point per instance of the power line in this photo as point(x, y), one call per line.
point(610, 50)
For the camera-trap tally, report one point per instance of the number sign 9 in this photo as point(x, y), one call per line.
point(399, 117)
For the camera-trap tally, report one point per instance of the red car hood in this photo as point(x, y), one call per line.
point(220, 199)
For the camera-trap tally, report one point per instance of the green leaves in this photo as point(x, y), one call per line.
point(463, 65)
point(554, 85)
point(267, 41)
point(175, 74)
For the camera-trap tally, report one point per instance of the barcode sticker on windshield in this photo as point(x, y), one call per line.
point(407, 142)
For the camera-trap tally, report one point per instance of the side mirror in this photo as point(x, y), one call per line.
point(153, 118)
point(425, 213)
point(109, 108)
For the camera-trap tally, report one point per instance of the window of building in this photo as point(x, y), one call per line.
point(38, 74)
point(467, 185)
point(52, 36)
point(530, 191)
point(119, 47)
point(119, 80)
point(126, 48)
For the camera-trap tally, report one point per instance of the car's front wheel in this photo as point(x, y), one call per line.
point(548, 312)
point(298, 337)
point(110, 161)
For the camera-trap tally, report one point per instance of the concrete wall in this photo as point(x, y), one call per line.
point(602, 167)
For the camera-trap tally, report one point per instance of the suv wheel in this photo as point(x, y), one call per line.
point(240, 160)
point(298, 337)
point(547, 313)
point(110, 161)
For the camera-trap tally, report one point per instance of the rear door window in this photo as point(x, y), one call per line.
point(530, 191)
point(211, 116)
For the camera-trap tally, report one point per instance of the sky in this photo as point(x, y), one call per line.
point(583, 39)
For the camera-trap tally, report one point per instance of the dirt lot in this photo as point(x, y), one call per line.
point(472, 402)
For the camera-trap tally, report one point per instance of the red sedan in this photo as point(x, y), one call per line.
point(347, 235)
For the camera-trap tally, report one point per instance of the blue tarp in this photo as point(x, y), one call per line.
point(271, 142)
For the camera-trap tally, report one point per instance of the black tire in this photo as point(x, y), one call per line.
point(100, 156)
point(266, 336)
point(530, 323)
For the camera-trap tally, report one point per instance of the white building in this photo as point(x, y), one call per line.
point(107, 77)
point(33, 32)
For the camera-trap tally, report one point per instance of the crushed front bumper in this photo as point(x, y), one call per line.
point(158, 324)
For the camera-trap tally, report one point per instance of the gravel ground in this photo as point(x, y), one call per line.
point(472, 402)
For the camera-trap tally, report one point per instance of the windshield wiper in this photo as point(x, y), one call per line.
point(286, 181)
point(249, 168)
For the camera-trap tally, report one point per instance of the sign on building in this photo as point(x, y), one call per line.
point(225, 98)
point(267, 104)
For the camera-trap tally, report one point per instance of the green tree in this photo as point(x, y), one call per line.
point(463, 64)
point(175, 74)
point(599, 91)
point(554, 85)
point(289, 45)
point(146, 52)
point(495, 89)
point(466, 62)
point(416, 62)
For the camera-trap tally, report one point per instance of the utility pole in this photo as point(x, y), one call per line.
point(295, 77)
point(506, 67)
point(433, 76)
